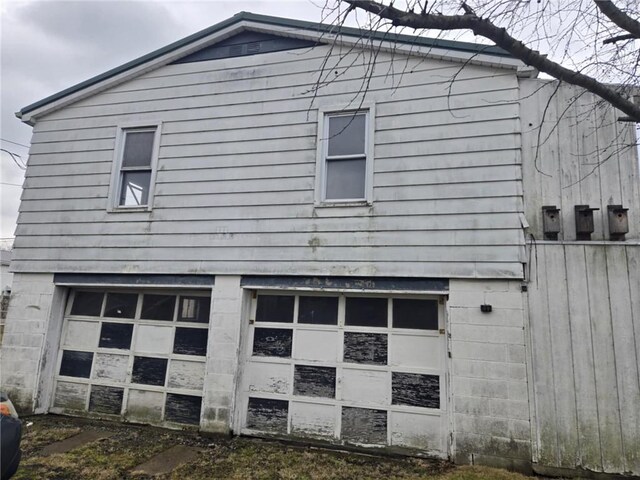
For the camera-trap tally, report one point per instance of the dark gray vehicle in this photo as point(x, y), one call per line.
point(10, 436)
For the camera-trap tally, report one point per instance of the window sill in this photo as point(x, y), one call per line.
point(128, 209)
point(361, 203)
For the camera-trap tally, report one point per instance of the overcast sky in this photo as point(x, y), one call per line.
point(49, 45)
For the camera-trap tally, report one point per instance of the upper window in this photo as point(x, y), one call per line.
point(345, 157)
point(135, 167)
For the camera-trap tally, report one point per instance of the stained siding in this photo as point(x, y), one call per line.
point(576, 152)
point(584, 319)
point(236, 173)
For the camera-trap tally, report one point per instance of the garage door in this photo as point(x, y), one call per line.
point(138, 354)
point(363, 370)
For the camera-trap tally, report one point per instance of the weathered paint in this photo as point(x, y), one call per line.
point(313, 381)
point(105, 399)
point(364, 426)
point(149, 371)
point(183, 408)
point(583, 316)
point(366, 348)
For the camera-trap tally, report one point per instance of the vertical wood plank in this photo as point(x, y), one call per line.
point(625, 353)
point(589, 173)
point(589, 455)
point(609, 145)
point(562, 364)
point(546, 420)
point(569, 146)
point(604, 360)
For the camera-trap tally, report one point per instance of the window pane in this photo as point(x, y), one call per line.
point(106, 399)
point(364, 425)
point(272, 342)
point(318, 310)
point(76, 364)
point(158, 307)
point(135, 188)
point(347, 134)
point(138, 148)
point(410, 313)
point(267, 414)
point(367, 348)
point(194, 309)
point(190, 341)
point(314, 381)
point(415, 389)
point(346, 179)
point(121, 305)
point(275, 308)
point(366, 312)
point(183, 408)
point(116, 335)
point(148, 370)
point(87, 303)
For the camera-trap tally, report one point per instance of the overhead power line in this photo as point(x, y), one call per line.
point(15, 143)
point(18, 161)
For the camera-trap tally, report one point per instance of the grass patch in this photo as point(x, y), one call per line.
point(221, 458)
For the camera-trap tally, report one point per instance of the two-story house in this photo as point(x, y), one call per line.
point(280, 228)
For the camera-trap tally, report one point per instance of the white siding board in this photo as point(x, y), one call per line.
point(584, 345)
point(560, 348)
point(308, 267)
point(368, 254)
point(604, 359)
point(275, 239)
point(582, 351)
point(626, 360)
point(237, 164)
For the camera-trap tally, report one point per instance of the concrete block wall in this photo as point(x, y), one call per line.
point(490, 395)
point(222, 355)
point(24, 335)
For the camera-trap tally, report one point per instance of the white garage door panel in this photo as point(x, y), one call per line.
point(313, 419)
point(81, 335)
point(154, 339)
point(186, 374)
point(418, 431)
point(270, 378)
point(416, 351)
point(110, 367)
point(365, 387)
point(144, 406)
point(316, 345)
point(347, 368)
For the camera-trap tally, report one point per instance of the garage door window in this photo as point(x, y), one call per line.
point(134, 353)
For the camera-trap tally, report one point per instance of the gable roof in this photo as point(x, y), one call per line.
point(244, 20)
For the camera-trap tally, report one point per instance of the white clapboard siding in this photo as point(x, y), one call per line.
point(236, 173)
point(584, 319)
point(582, 155)
point(321, 239)
point(461, 224)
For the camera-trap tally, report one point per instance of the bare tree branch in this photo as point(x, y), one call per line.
point(485, 28)
point(617, 16)
point(619, 38)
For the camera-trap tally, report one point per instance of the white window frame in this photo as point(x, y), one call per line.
point(115, 185)
point(322, 152)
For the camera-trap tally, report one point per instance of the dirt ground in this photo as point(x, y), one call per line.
point(219, 458)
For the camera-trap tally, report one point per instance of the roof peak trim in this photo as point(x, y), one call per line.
point(274, 21)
